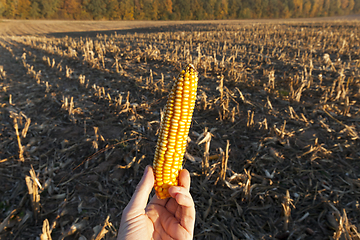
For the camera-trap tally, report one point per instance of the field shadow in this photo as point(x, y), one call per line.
point(150, 29)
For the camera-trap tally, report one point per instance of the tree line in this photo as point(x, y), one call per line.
point(174, 9)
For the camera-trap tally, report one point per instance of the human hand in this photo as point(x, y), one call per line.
point(171, 218)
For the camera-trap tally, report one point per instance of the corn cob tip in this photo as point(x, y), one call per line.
point(171, 144)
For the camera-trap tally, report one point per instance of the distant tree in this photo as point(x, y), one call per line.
point(10, 9)
point(209, 8)
point(198, 11)
point(97, 9)
point(306, 8)
point(298, 8)
point(245, 13)
point(2, 7)
point(165, 9)
point(34, 12)
point(138, 9)
point(316, 8)
point(221, 9)
point(155, 10)
point(167, 4)
point(233, 9)
point(351, 5)
point(147, 8)
point(112, 9)
point(290, 4)
point(338, 6)
point(275, 9)
point(356, 8)
point(175, 9)
point(183, 8)
point(84, 12)
point(151, 9)
point(126, 9)
point(72, 9)
point(326, 8)
point(23, 9)
point(49, 8)
point(286, 12)
point(282, 8)
point(335, 7)
point(344, 4)
point(259, 8)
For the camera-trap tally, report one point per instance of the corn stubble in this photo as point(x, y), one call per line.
point(280, 99)
point(174, 129)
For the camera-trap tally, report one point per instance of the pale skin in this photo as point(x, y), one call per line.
point(171, 218)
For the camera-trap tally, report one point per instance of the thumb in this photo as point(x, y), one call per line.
point(143, 189)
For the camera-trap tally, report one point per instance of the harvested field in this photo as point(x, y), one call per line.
point(274, 145)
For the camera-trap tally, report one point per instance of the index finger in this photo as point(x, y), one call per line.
point(142, 191)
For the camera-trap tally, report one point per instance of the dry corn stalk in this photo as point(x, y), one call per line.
point(46, 233)
point(174, 129)
point(33, 185)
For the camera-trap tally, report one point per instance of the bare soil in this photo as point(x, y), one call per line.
point(278, 104)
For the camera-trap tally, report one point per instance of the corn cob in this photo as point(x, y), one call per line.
point(173, 133)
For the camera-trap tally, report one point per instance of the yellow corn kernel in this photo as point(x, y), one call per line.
point(173, 132)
